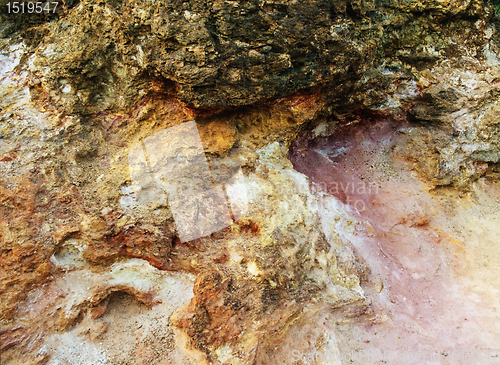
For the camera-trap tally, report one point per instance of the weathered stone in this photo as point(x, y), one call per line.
point(388, 110)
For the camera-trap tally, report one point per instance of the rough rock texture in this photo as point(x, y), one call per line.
point(369, 137)
point(102, 55)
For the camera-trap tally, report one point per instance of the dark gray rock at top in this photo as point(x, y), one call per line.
point(230, 53)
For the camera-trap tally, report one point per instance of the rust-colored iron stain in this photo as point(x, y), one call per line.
point(250, 226)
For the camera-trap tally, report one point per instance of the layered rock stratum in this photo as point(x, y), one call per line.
point(368, 136)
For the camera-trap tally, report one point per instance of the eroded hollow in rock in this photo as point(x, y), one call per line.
point(349, 162)
point(404, 229)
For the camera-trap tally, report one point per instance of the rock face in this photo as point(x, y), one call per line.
point(102, 54)
point(367, 136)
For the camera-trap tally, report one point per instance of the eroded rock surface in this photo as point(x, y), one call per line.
point(369, 141)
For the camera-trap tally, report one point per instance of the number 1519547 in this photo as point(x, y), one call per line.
point(30, 7)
